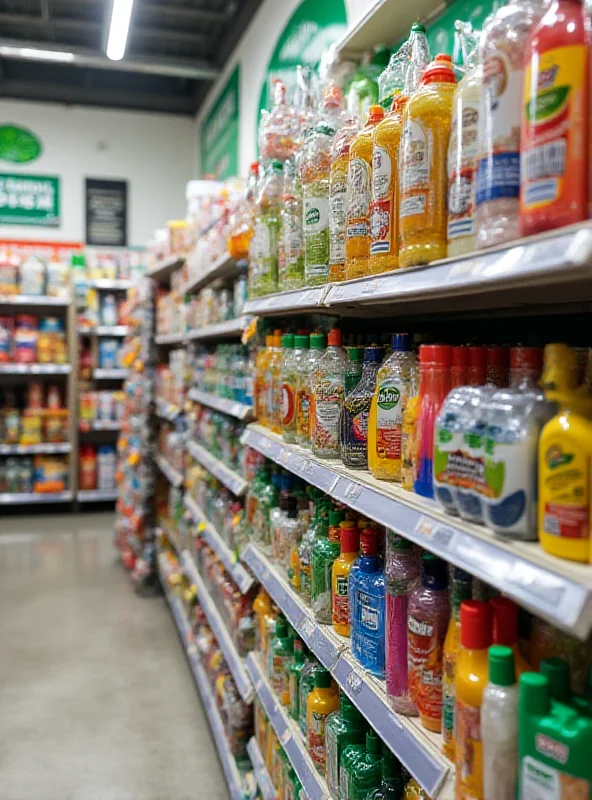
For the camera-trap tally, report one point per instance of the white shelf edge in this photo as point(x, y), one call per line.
point(110, 283)
point(101, 373)
point(287, 732)
point(165, 267)
point(97, 425)
point(231, 327)
point(233, 659)
point(12, 300)
point(233, 408)
point(214, 270)
point(46, 448)
point(231, 479)
point(242, 577)
point(174, 477)
point(104, 330)
point(97, 495)
point(294, 301)
point(268, 790)
point(170, 338)
point(35, 369)
point(556, 589)
point(35, 497)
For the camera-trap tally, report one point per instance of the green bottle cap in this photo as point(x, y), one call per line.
point(335, 518)
point(281, 628)
point(288, 340)
point(301, 342)
point(556, 671)
point(78, 260)
point(354, 354)
point(322, 679)
point(318, 341)
point(398, 543)
point(501, 665)
point(373, 743)
point(417, 27)
point(534, 694)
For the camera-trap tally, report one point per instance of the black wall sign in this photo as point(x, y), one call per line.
point(106, 213)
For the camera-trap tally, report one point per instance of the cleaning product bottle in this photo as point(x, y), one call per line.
point(554, 745)
point(262, 609)
point(264, 243)
point(323, 555)
point(342, 728)
point(553, 187)
point(352, 754)
point(327, 392)
point(471, 680)
point(294, 672)
point(392, 784)
point(305, 687)
point(427, 621)
point(385, 421)
point(367, 599)
point(504, 629)
point(288, 382)
point(350, 548)
point(301, 383)
point(338, 196)
point(565, 449)
point(260, 380)
point(499, 726)
point(435, 361)
point(353, 440)
point(461, 591)
point(304, 399)
point(422, 163)
point(367, 775)
point(557, 672)
point(408, 431)
point(280, 655)
point(323, 699)
point(353, 369)
point(359, 182)
point(402, 570)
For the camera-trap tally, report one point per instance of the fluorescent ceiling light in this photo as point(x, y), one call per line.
point(120, 21)
point(35, 53)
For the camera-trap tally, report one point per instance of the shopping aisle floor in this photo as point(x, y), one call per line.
point(96, 698)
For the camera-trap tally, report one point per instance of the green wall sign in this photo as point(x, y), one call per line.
point(29, 200)
point(219, 132)
point(18, 145)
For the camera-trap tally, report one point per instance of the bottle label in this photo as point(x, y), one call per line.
point(341, 601)
point(389, 416)
point(316, 235)
point(369, 612)
point(293, 689)
point(358, 191)
point(462, 154)
point(279, 675)
point(449, 697)
point(288, 405)
point(316, 739)
point(425, 667)
point(565, 487)
point(498, 167)
point(337, 217)
point(542, 782)
point(381, 219)
point(328, 399)
point(469, 750)
point(415, 169)
point(302, 413)
point(554, 145)
point(510, 501)
point(291, 243)
point(381, 172)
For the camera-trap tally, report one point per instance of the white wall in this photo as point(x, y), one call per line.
point(155, 153)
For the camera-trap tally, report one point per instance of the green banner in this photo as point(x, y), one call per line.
point(219, 132)
point(29, 200)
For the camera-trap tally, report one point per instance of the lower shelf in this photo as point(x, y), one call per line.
point(97, 495)
point(266, 787)
point(33, 497)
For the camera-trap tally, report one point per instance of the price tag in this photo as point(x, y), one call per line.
point(353, 490)
point(460, 269)
point(372, 286)
point(307, 297)
point(285, 737)
point(425, 526)
point(306, 467)
point(354, 682)
point(444, 536)
point(338, 292)
point(264, 444)
point(307, 628)
point(284, 456)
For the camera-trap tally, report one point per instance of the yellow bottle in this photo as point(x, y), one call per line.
point(273, 381)
point(262, 609)
point(323, 699)
point(423, 175)
point(384, 207)
point(359, 182)
point(260, 388)
point(565, 454)
point(338, 197)
point(350, 548)
point(408, 426)
point(461, 591)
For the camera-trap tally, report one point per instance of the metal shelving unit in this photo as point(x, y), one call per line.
point(230, 407)
point(174, 477)
point(268, 790)
point(231, 479)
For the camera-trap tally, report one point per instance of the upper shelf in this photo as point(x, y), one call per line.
point(163, 270)
point(223, 267)
point(555, 267)
point(18, 300)
point(230, 329)
point(231, 407)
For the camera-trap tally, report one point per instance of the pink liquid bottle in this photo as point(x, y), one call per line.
point(435, 361)
point(402, 569)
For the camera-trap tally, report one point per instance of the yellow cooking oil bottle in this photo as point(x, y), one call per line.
point(565, 457)
point(423, 179)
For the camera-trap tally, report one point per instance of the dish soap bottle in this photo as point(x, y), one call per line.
point(366, 776)
point(353, 438)
point(327, 393)
point(350, 549)
point(323, 555)
point(323, 700)
point(499, 726)
point(367, 598)
point(392, 785)
point(342, 728)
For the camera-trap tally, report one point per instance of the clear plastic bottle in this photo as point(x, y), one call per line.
point(300, 357)
point(502, 51)
point(353, 439)
point(499, 726)
point(273, 384)
point(338, 196)
point(241, 220)
point(304, 405)
point(279, 128)
point(353, 369)
point(291, 245)
point(327, 398)
point(264, 244)
point(288, 380)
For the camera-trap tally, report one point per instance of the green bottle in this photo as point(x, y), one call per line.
point(305, 687)
point(350, 756)
point(554, 744)
point(392, 786)
point(366, 774)
point(252, 518)
point(557, 672)
point(280, 655)
point(325, 550)
point(344, 727)
point(268, 499)
point(353, 369)
point(305, 550)
point(294, 672)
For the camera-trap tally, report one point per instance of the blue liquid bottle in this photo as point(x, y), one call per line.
point(367, 603)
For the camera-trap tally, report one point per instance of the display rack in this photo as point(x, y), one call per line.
point(117, 374)
point(222, 267)
point(266, 787)
point(230, 407)
point(162, 271)
point(97, 495)
point(221, 330)
point(231, 479)
point(173, 476)
point(35, 449)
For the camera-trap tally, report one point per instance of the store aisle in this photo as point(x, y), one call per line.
point(96, 699)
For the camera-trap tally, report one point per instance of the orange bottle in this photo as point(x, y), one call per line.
point(260, 387)
point(359, 181)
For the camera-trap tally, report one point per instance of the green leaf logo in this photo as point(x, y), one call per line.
point(17, 145)
point(495, 473)
point(444, 436)
point(388, 397)
point(312, 216)
point(557, 458)
point(547, 104)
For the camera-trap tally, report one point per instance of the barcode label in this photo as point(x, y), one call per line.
point(545, 161)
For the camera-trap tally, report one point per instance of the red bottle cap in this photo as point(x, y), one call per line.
point(437, 355)
point(439, 71)
point(460, 357)
point(368, 543)
point(504, 617)
point(254, 167)
point(475, 625)
point(527, 358)
point(334, 337)
point(375, 114)
point(497, 357)
point(350, 538)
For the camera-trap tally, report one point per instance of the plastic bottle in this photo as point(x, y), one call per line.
point(267, 499)
point(353, 369)
point(280, 655)
point(408, 431)
point(422, 165)
point(429, 614)
point(499, 726)
point(288, 380)
point(289, 531)
point(317, 345)
point(324, 552)
point(504, 629)
point(477, 366)
point(241, 221)
point(338, 196)
point(351, 755)
point(305, 549)
point(471, 680)
point(262, 610)
point(435, 361)
point(291, 243)
point(342, 728)
point(274, 380)
point(353, 440)
point(565, 450)
point(323, 700)
point(327, 386)
point(359, 178)
point(463, 148)
point(367, 604)
point(305, 687)
point(279, 128)
point(402, 571)
point(294, 672)
point(461, 591)
point(392, 784)
point(365, 778)
point(264, 244)
point(459, 369)
point(385, 421)
point(557, 672)
point(502, 50)
point(349, 551)
point(555, 112)
point(497, 366)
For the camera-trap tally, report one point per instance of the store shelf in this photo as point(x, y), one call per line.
point(98, 425)
point(174, 477)
point(417, 749)
point(234, 661)
point(163, 270)
point(231, 407)
point(110, 285)
point(34, 449)
point(110, 374)
point(35, 369)
point(170, 338)
point(97, 496)
point(166, 410)
point(287, 732)
point(233, 777)
point(223, 267)
point(13, 300)
point(33, 497)
point(169, 528)
point(232, 328)
point(231, 479)
point(243, 579)
point(298, 301)
point(266, 787)
point(105, 330)
point(560, 591)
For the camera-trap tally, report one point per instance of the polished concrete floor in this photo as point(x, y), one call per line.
point(96, 699)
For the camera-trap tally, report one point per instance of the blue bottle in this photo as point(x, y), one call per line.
point(366, 595)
